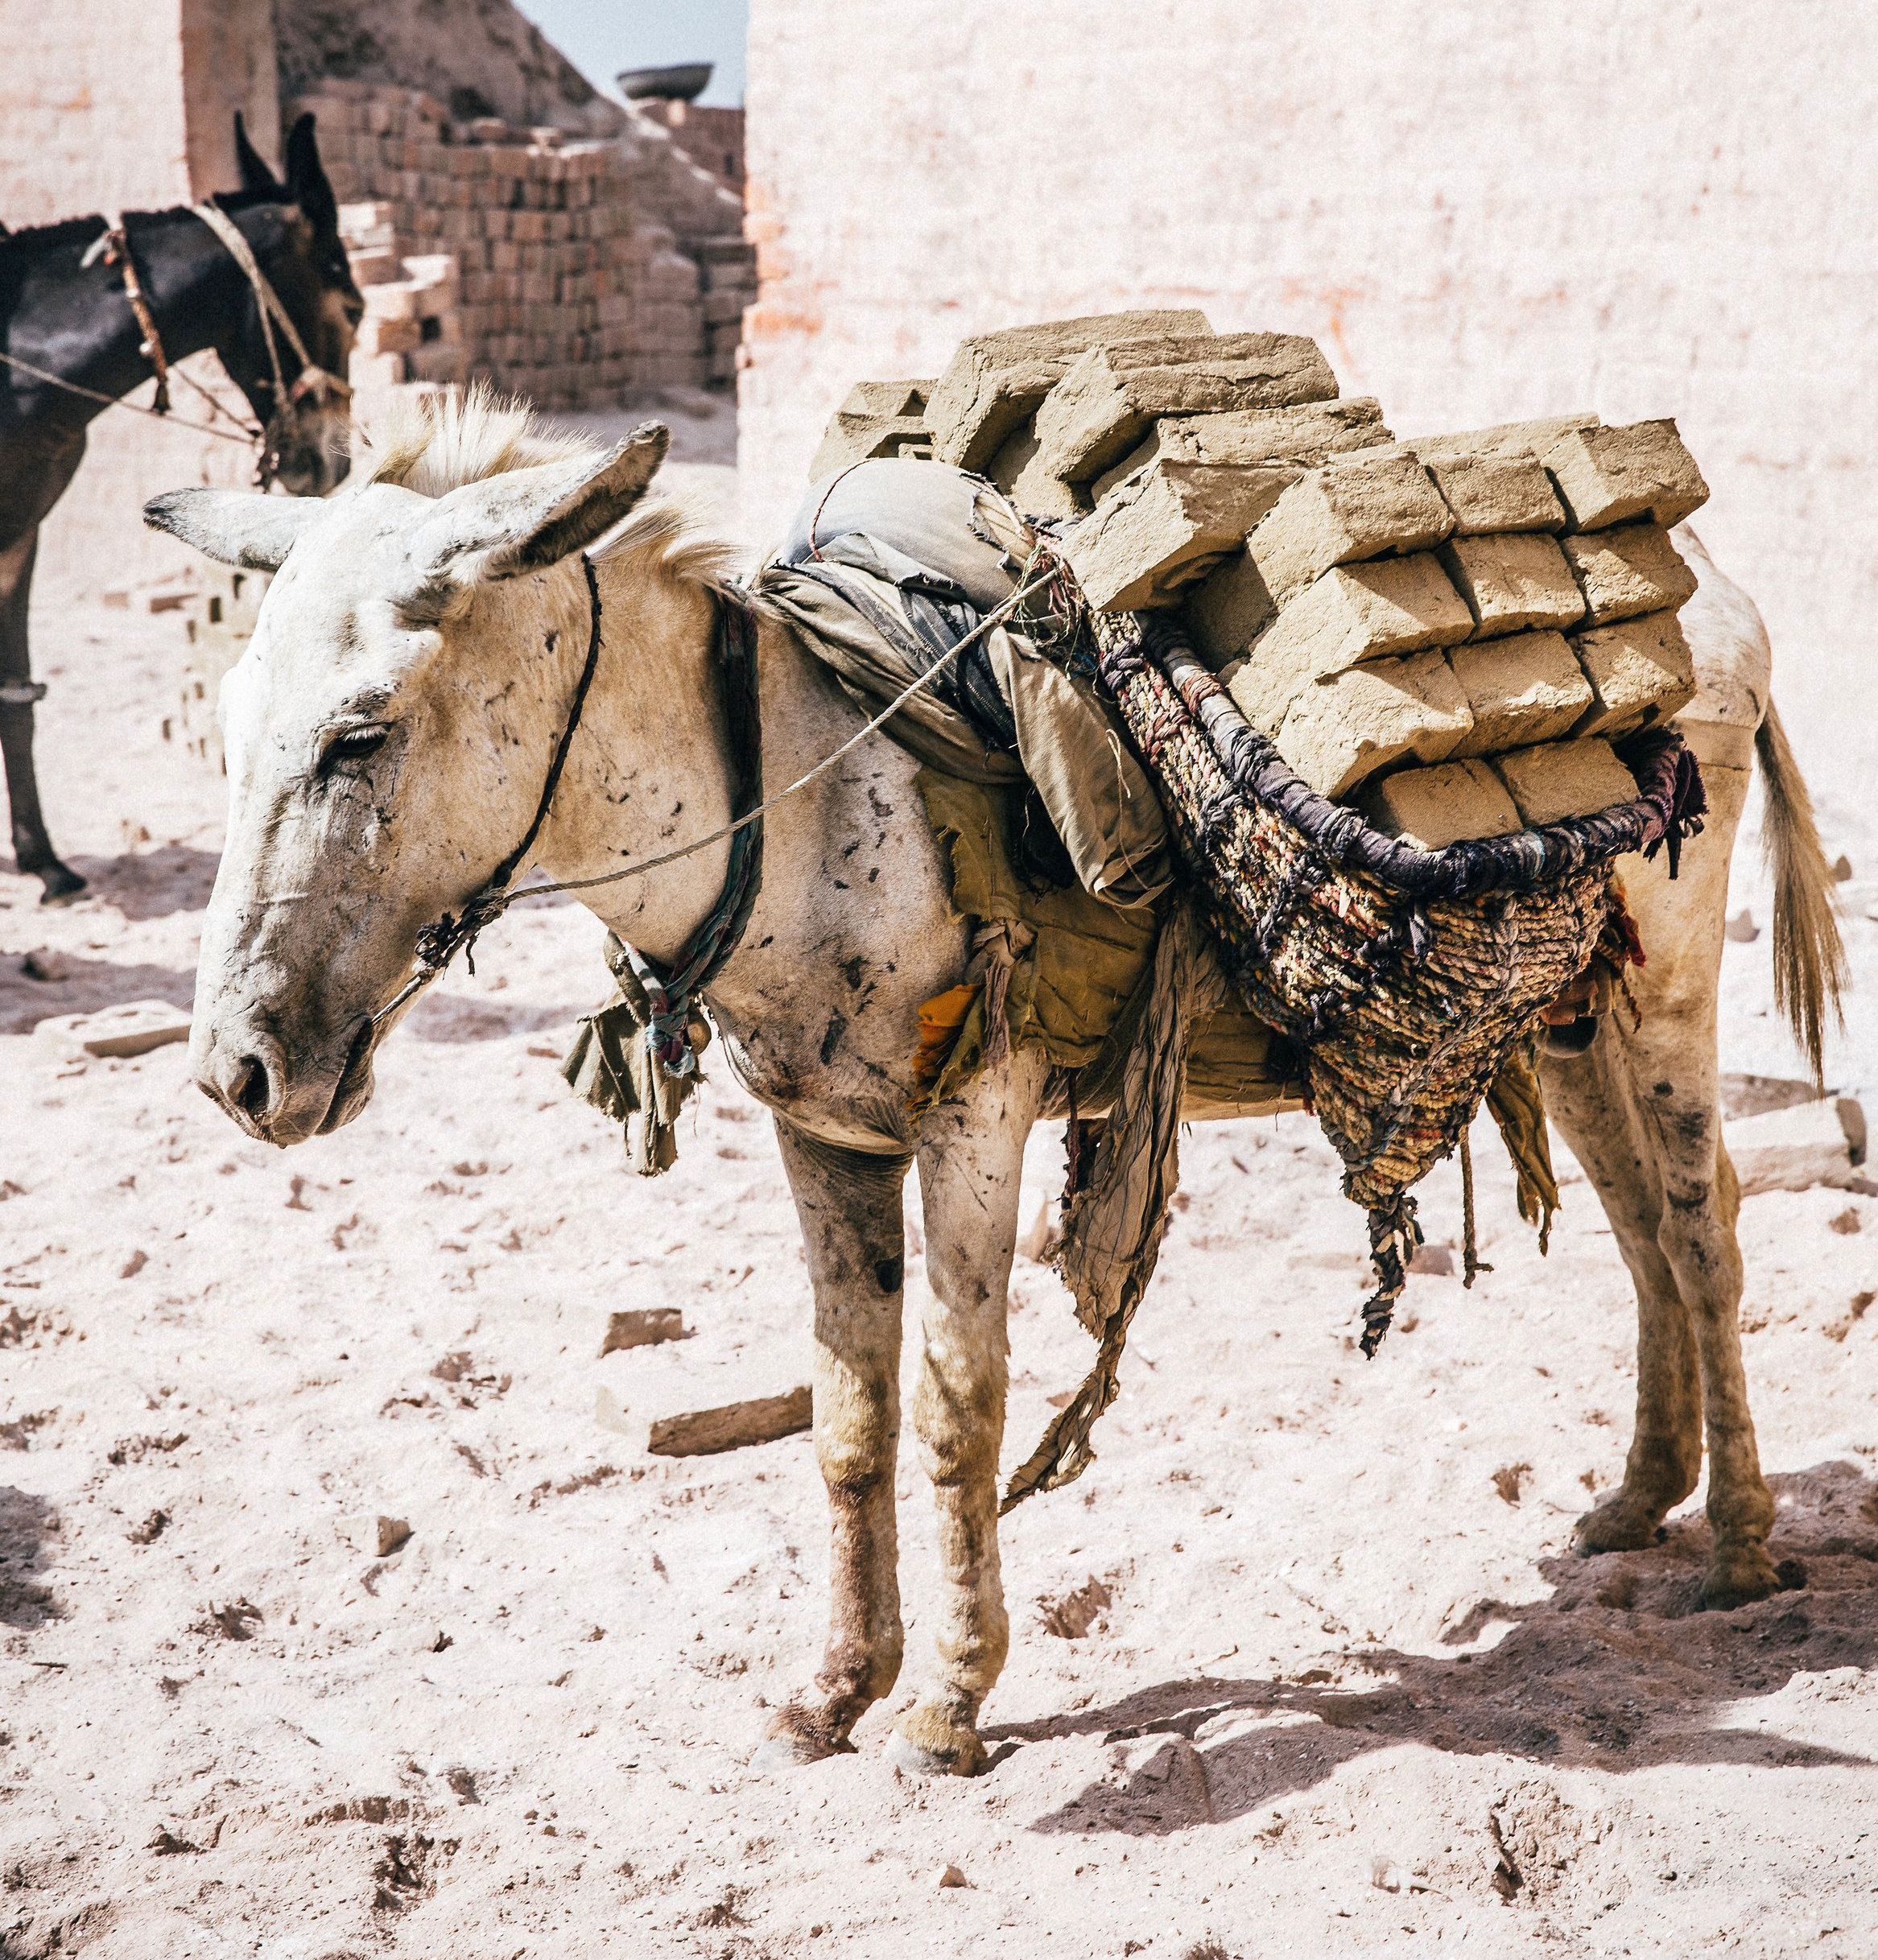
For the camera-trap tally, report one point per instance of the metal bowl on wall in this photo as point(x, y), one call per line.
point(683, 82)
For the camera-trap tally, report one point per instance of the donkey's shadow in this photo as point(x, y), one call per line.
point(1616, 1670)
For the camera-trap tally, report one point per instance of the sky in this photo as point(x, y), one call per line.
point(601, 37)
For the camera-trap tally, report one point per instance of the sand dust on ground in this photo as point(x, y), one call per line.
point(1304, 1666)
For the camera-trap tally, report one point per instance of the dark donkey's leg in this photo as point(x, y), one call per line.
point(32, 848)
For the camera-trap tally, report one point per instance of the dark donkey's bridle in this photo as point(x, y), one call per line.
point(112, 245)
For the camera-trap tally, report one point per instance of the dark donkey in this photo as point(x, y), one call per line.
point(73, 344)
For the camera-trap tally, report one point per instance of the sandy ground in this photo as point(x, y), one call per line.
point(1349, 1692)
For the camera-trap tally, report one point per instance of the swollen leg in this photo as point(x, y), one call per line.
point(970, 1162)
point(1589, 1097)
point(32, 848)
point(850, 1206)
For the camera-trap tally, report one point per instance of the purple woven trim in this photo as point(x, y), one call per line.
point(1668, 805)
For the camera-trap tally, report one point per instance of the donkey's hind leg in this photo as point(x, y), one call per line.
point(971, 1160)
point(849, 1206)
point(1682, 1183)
point(1588, 1096)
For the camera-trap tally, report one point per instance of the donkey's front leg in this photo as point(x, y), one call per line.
point(971, 1160)
point(852, 1232)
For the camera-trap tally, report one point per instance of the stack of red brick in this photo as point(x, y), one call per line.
point(585, 269)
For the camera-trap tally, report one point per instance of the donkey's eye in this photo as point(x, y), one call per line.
point(346, 751)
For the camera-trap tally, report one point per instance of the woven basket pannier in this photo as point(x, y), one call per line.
point(1405, 977)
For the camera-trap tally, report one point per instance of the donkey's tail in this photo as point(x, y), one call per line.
point(1809, 954)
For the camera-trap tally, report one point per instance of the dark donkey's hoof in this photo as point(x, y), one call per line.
point(62, 883)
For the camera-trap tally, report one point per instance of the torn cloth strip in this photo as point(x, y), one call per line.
point(638, 1054)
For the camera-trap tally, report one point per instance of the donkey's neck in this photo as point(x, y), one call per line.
point(74, 319)
point(648, 771)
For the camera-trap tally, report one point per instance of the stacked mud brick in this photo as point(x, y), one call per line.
point(413, 327)
point(1449, 632)
point(584, 268)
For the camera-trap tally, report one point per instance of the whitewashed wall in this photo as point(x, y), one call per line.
point(1483, 211)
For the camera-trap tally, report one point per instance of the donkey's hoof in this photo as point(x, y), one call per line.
point(62, 884)
point(1737, 1575)
point(926, 1742)
point(797, 1739)
point(1620, 1523)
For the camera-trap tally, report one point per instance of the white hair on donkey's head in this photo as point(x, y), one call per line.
point(435, 443)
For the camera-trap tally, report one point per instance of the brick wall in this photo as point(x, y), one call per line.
point(586, 269)
point(711, 137)
point(109, 107)
point(1482, 213)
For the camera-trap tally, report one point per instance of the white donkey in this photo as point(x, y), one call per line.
point(389, 732)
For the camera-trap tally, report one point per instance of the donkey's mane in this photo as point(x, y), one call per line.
point(436, 443)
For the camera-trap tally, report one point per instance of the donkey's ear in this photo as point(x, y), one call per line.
point(305, 179)
point(569, 522)
point(239, 527)
point(257, 176)
point(526, 520)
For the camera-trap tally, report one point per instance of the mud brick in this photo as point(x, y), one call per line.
point(380, 335)
point(1558, 780)
point(1291, 439)
point(1355, 508)
point(1509, 438)
point(1514, 581)
point(1639, 672)
point(995, 380)
point(854, 439)
point(737, 1426)
point(394, 299)
point(1522, 689)
point(1338, 731)
point(1432, 808)
point(1227, 610)
point(1018, 471)
point(1108, 401)
point(1608, 476)
point(1358, 612)
point(1156, 533)
point(370, 371)
point(374, 268)
point(887, 398)
point(1629, 570)
point(1492, 491)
